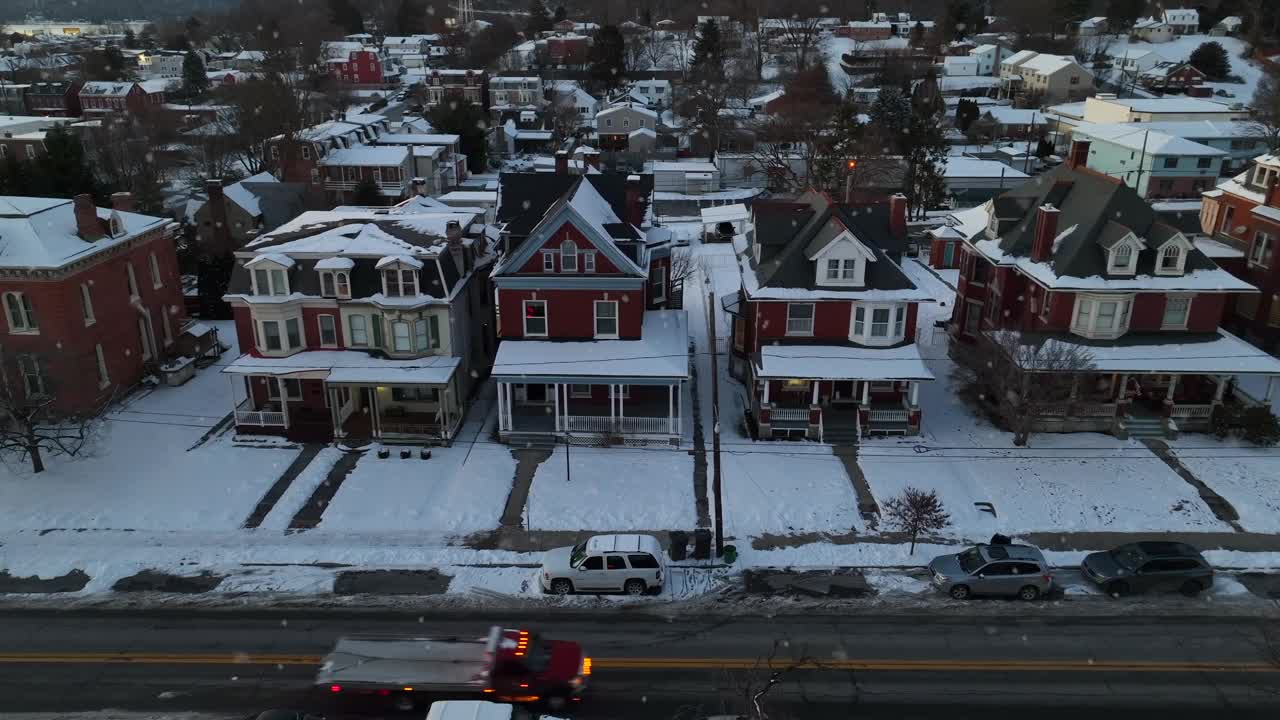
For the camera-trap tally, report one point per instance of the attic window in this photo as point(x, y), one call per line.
point(1124, 261)
point(1171, 260)
point(117, 225)
point(568, 256)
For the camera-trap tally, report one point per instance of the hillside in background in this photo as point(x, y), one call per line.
point(101, 10)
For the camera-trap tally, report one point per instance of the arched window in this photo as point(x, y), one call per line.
point(1171, 259)
point(568, 256)
point(1122, 258)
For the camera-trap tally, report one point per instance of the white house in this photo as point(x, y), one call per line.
point(989, 58)
point(1093, 26)
point(960, 66)
point(1184, 21)
point(1153, 30)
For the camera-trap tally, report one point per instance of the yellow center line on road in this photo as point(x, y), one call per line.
point(674, 663)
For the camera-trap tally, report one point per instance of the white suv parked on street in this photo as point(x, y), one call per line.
point(605, 563)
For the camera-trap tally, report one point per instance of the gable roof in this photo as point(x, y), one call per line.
point(1136, 137)
point(586, 209)
point(1094, 211)
point(41, 233)
point(524, 198)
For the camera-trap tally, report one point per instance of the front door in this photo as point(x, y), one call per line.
point(536, 393)
point(844, 391)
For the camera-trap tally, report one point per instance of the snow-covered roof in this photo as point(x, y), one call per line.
point(966, 167)
point(841, 362)
point(361, 237)
point(41, 233)
point(1020, 57)
point(483, 197)
point(335, 263)
point(628, 106)
point(1171, 105)
point(240, 195)
point(344, 366)
point(1093, 22)
point(274, 258)
point(419, 139)
point(158, 85)
point(1006, 115)
point(1047, 64)
point(1148, 23)
point(766, 98)
point(662, 352)
point(676, 166)
point(1192, 129)
point(390, 260)
point(367, 155)
point(964, 224)
point(1220, 352)
point(725, 213)
point(1267, 212)
point(1134, 137)
point(107, 88)
point(1216, 248)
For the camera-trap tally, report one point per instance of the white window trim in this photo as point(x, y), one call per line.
point(1186, 315)
point(1132, 267)
point(166, 325)
point(1124, 314)
point(351, 331)
point(813, 316)
point(589, 261)
point(281, 321)
point(1259, 259)
point(86, 305)
point(269, 271)
point(1182, 258)
point(408, 326)
point(578, 393)
point(660, 287)
point(595, 320)
point(273, 388)
point(333, 320)
point(568, 249)
point(548, 261)
point(865, 337)
point(133, 282)
point(546, 318)
point(401, 270)
point(38, 375)
point(341, 290)
point(156, 281)
point(104, 377)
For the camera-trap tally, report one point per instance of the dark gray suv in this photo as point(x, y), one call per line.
point(1149, 567)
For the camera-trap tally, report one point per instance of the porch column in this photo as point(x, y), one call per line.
point(1124, 382)
point(335, 412)
point(814, 385)
point(915, 393)
point(502, 412)
point(671, 409)
point(510, 424)
point(1220, 389)
point(622, 411)
point(613, 406)
point(284, 401)
point(1266, 399)
point(375, 422)
point(557, 406)
point(1075, 388)
point(866, 392)
point(679, 408)
point(1173, 385)
point(764, 398)
point(565, 390)
point(235, 404)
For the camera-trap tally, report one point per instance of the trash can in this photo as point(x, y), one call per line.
point(679, 549)
point(701, 544)
point(730, 555)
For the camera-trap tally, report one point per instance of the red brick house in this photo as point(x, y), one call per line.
point(108, 98)
point(568, 49)
point(92, 298)
point(1244, 213)
point(453, 85)
point(586, 348)
point(1077, 261)
point(360, 68)
point(53, 99)
point(824, 325)
point(946, 242)
point(362, 324)
point(1168, 75)
point(298, 158)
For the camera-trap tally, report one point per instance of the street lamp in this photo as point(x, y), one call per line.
point(848, 179)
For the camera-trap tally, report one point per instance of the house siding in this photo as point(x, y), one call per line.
point(571, 313)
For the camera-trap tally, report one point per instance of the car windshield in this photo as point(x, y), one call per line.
point(971, 560)
point(578, 554)
point(1127, 557)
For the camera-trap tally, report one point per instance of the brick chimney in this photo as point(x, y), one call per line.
point(1046, 231)
point(591, 158)
point(122, 201)
point(221, 229)
point(635, 201)
point(898, 216)
point(1078, 155)
point(562, 162)
point(453, 233)
point(87, 224)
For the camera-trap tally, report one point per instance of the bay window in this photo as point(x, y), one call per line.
point(421, 340)
point(359, 335)
point(899, 321)
point(878, 324)
point(398, 282)
point(1260, 253)
point(859, 321)
point(401, 337)
point(271, 335)
point(293, 329)
point(1101, 316)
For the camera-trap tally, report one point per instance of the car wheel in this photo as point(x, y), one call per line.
point(960, 592)
point(1029, 593)
point(1191, 588)
point(561, 587)
point(1117, 588)
point(634, 587)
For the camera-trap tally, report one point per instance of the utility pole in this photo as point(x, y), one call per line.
point(715, 417)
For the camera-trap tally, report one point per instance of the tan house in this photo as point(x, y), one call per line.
point(615, 125)
point(1046, 78)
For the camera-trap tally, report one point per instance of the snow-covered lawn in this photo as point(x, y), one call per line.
point(1246, 476)
point(613, 489)
point(1179, 50)
point(785, 488)
point(461, 489)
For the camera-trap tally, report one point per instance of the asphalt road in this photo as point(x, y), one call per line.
point(864, 666)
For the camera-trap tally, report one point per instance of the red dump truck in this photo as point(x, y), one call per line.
point(507, 665)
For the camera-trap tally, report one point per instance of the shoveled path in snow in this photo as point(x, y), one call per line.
point(1218, 504)
point(312, 512)
point(277, 489)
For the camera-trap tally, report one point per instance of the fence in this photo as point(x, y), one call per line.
point(605, 424)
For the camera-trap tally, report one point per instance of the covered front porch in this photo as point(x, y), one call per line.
point(833, 393)
point(358, 397)
point(621, 411)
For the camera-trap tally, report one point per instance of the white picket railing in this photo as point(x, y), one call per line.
point(260, 418)
point(1199, 412)
point(888, 415)
point(625, 425)
point(790, 414)
point(1093, 410)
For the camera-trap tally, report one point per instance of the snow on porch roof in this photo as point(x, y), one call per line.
point(1212, 353)
point(725, 213)
point(347, 367)
point(839, 362)
point(662, 352)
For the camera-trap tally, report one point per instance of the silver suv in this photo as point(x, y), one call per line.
point(996, 570)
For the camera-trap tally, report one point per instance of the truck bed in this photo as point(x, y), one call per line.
point(399, 662)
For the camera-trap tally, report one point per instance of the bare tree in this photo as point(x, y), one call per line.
point(1023, 379)
point(685, 266)
point(1266, 109)
point(656, 49)
point(564, 116)
point(916, 511)
point(32, 424)
point(261, 109)
point(799, 40)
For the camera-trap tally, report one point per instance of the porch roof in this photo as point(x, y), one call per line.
point(345, 367)
point(661, 353)
point(1218, 353)
point(840, 362)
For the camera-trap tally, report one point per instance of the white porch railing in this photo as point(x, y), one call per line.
point(625, 425)
point(1196, 412)
point(418, 429)
point(1052, 411)
point(1094, 410)
point(894, 415)
point(259, 418)
point(789, 414)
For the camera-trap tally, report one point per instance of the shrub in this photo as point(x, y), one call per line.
point(1260, 426)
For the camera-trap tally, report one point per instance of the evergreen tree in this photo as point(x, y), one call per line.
point(63, 170)
point(180, 42)
point(1122, 14)
point(469, 121)
point(1212, 60)
point(561, 13)
point(608, 58)
point(105, 64)
point(195, 80)
point(917, 34)
point(956, 22)
point(366, 192)
point(926, 156)
point(539, 18)
point(891, 114)
point(130, 39)
point(967, 111)
point(1069, 11)
point(708, 52)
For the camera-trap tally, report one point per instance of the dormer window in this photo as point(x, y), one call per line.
point(335, 283)
point(842, 262)
point(1122, 259)
point(838, 270)
point(568, 256)
point(400, 282)
point(1172, 259)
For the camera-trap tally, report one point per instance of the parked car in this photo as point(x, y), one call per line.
point(1149, 566)
point(605, 563)
point(993, 570)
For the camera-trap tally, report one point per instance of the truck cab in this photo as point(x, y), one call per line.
point(527, 669)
